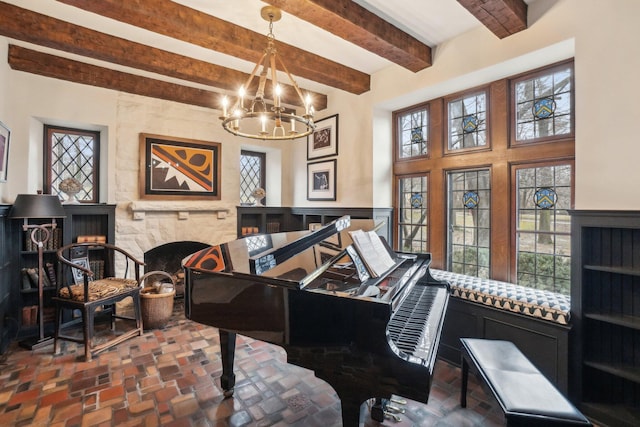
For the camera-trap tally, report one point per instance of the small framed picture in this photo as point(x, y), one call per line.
point(321, 180)
point(5, 134)
point(323, 142)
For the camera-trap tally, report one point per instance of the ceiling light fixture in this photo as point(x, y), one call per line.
point(258, 118)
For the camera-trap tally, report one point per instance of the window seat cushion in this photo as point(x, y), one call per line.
point(508, 296)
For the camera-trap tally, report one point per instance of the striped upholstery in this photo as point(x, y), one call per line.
point(507, 296)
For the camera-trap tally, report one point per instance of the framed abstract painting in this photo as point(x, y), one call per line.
point(178, 168)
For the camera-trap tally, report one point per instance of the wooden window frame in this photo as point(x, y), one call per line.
point(500, 158)
point(514, 201)
point(396, 212)
point(461, 95)
point(449, 243)
point(396, 132)
point(513, 81)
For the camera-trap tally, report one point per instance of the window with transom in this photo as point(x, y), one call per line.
point(72, 153)
point(497, 204)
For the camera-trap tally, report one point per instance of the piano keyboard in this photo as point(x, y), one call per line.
point(414, 326)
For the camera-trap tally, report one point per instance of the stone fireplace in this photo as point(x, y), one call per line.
point(144, 227)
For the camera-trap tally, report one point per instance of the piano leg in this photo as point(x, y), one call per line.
point(228, 353)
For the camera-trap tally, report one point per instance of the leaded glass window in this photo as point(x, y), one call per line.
point(412, 215)
point(72, 153)
point(544, 105)
point(467, 121)
point(413, 133)
point(543, 227)
point(252, 175)
point(469, 209)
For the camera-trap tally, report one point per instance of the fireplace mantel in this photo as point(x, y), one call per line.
point(139, 209)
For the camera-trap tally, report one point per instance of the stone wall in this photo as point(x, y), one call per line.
point(152, 223)
point(139, 229)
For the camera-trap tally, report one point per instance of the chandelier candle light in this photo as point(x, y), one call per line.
point(258, 121)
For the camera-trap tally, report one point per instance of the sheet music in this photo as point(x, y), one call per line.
point(372, 251)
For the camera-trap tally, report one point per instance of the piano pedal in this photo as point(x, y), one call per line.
point(398, 401)
point(395, 409)
point(394, 417)
point(380, 410)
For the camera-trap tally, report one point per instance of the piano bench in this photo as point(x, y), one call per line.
point(525, 395)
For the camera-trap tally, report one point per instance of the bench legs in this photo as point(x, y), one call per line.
point(465, 379)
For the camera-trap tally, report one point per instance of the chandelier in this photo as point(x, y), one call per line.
point(258, 118)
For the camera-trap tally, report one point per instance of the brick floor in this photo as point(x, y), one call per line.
point(170, 377)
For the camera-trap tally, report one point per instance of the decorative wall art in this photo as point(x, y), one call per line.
point(321, 180)
point(323, 142)
point(5, 134)
point(179, 169)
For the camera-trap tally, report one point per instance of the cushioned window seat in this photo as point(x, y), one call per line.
point(508, 296)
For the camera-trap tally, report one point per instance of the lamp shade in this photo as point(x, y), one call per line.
point(37, 206)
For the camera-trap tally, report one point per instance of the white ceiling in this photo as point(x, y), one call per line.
point(430, 21)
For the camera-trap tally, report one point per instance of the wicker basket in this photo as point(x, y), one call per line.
point(156, 308)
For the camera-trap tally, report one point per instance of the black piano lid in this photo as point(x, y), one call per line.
point(269, 259)
point(263, 255)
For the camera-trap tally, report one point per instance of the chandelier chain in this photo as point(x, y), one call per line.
point(268, 124)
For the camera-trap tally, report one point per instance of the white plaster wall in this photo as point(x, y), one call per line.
point(355, 156)
point(608, 111)
point(604, 42)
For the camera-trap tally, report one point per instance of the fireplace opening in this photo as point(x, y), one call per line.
point(168, 258)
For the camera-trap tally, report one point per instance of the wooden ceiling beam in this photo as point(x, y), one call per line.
point(502, 17)
point(44, 64)
point(354, 23)
point(183, 23)
point(32, 27)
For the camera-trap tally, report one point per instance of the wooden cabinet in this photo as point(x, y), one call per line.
point(255, 219)
point(81, 220)
point(8, 276)
point(605, 302)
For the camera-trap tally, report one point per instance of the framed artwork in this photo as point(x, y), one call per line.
point(179, 169)
point(323, 142)
point(5, 134)
point(321, 180)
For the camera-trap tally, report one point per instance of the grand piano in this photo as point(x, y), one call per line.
point(368, 335)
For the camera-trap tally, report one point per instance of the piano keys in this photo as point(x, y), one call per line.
point(310, 293)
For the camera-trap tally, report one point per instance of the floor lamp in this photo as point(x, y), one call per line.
point(32, 206)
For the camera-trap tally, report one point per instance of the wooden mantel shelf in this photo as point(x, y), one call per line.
point(139, 209)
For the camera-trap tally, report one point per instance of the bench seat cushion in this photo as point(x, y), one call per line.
point(536, 303)
point(519, 387)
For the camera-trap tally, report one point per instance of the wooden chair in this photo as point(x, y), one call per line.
point(87, 282)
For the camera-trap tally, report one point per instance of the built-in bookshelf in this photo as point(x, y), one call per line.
point(8, 276)
point(89, 221)
point(258, 219)
point(605, 305)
